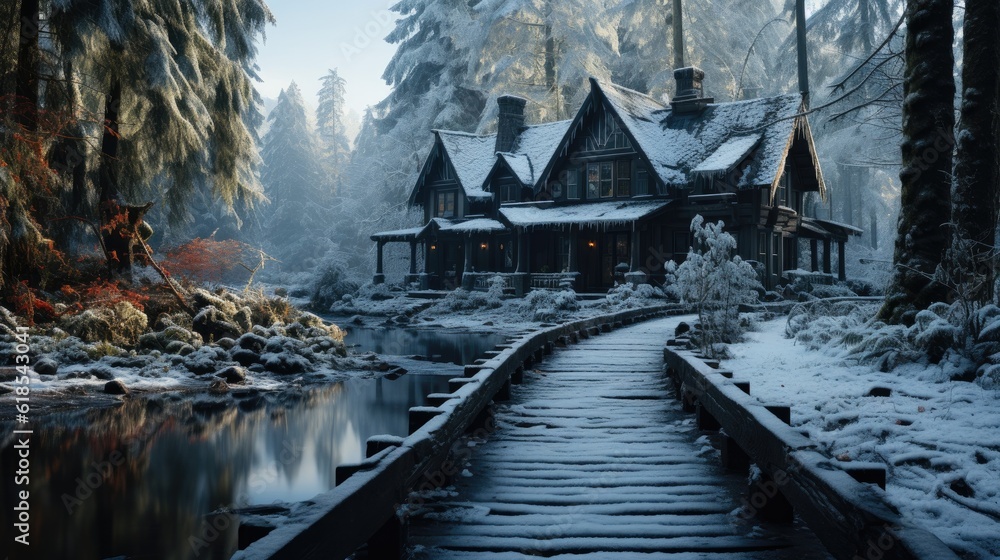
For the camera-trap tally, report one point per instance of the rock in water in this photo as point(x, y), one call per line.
point(116, 387)
point(46, 367)
point(233, 375)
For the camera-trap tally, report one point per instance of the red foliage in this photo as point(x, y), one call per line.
point(208, 260)
point(103, 293)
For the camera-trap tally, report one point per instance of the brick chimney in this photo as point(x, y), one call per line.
point(510, 122)
point(690, 96)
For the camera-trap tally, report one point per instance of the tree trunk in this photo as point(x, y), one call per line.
point(977, 156)
point(115, 229)
point(26, 90)
point(928, 143)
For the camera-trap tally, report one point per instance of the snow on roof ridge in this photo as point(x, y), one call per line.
point(460, 133)
point(624, 89)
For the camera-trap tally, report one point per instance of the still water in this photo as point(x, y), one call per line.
point(139, 480)
point(448, 347)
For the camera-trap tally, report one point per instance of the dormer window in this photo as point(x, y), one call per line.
point(573, 184)
point(446, 204)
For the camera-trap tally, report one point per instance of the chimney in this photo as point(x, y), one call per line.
point(510, 122)
point(803, 52)
point(690, 96)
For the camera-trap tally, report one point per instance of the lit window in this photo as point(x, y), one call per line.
point(607, 183)
point(445, 205)
point(593, 180)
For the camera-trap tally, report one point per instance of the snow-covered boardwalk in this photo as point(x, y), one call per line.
point(593, 458)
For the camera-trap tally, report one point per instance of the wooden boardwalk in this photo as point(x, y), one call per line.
point(594, 459)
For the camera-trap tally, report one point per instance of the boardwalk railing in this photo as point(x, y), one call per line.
point(362, 508)
point(837, 500)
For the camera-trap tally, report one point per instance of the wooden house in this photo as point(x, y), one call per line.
point(609, 195)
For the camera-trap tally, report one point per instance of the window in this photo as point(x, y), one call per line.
point(446, 204)
point(572, 184)
point(562, 253)
point(641, 182)
point(509, 191)
point(593, 180)
point(607, 183)
point(624, 178)
point(781, 196)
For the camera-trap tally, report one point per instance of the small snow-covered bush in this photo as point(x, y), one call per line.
point(375, 292)
point(631, 296)
point(548, 305)
point(120, 324)
point(715, 282)
point(331, 285)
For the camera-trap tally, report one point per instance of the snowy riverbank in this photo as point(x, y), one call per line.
point(940, 440)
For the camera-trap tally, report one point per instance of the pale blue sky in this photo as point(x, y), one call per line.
point(312, 36)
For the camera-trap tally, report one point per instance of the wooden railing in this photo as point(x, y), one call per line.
point(363, 506)
point(840, 502)
point(553, 281)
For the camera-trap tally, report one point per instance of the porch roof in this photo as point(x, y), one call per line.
point(410, 234)
point(585, 215)
point(475, 225)
point(816, 228)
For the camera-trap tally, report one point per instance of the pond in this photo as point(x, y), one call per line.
point(447, 347)
point(139, 480)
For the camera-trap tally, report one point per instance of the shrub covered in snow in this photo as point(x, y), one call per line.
point(631, 296)
point(120, 324)
point(331, 285)
point(716, 283)
point(966, 345)
point(549, 305)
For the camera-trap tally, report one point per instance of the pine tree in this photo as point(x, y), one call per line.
point(293, 175)
point(330, 124)
point(928, 125)
point(179, 104)
point(977, 156)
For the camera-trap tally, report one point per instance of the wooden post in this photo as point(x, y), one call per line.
point(379, 270)
point(814, 255)
point(706, 421)
point(826, 256)
point(389, 542)
point(574, 241)
point(413, 258)
point(841, 262)
point(733, 456)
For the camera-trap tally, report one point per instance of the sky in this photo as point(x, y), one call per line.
point(313, 36)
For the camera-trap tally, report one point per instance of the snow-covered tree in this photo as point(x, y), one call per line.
point(293, 177)
point(716, 282)
point(331, 126)
point(977, 156)
point(928, 127)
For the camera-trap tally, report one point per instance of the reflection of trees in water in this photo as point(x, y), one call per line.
point(184, 460)
point(456, 348)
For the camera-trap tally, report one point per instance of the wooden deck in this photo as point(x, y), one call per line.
point(594, 459)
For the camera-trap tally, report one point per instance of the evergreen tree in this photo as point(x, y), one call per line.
point(330, 123)
point(928, 125)
point(977, 158)
point(293, 177)
point(179, 105)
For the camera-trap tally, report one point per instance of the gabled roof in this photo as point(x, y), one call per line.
point(472, 157)
point(474, 160)
point(680, 144)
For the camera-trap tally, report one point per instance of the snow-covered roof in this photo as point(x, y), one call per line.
point(399, 234)
point(589, 214)
point(728, 155)
point(472, 156)
point(475, 225)
point(679, 144)
point(535, 147)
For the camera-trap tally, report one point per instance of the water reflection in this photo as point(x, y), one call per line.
point(138, 480)
point(455, 348)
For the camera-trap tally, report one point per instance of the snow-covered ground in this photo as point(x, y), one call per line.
point(939, 440)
